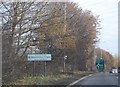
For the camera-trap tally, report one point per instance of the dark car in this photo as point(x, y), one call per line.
point(119, 70)
point(110, 71)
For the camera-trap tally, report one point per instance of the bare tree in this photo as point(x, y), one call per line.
point(21, 22)
point(41, 25)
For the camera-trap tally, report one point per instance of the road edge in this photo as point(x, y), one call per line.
point(73, 83)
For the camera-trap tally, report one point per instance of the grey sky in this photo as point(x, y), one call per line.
point(108, 11)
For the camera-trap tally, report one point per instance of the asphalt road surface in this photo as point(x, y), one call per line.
point(100, 79)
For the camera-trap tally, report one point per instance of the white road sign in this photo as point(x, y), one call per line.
point(39, 57)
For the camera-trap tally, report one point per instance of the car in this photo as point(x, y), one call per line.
point(110, 71)
point(114, 71)
point(118, 69)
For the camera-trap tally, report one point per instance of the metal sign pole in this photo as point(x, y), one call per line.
point(44, 68)
point(65, 57)
point(64, 66)
point(33, 68)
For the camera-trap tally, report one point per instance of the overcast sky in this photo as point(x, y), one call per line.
point(108, 11)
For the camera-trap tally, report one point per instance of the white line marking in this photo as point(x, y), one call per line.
point(79, 80)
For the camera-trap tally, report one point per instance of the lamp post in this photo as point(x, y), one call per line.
point(101, 53)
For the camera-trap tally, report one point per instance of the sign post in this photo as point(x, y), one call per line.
point(65, 57)
point(33, 68)
point(100, 64)
point(45, 68)
point(39, 57)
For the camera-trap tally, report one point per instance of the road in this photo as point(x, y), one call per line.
point(100, 79)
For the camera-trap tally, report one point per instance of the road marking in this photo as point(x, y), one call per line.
point(79, 80)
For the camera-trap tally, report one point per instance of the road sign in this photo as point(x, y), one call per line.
point(100, 64)
point(39, 57)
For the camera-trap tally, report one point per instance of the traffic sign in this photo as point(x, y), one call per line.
point(100, 64)
point(39, 57)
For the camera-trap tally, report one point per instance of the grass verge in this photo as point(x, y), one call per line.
point(60, 79)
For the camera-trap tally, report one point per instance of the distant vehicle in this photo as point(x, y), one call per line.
point(110, 71)
point(118, 69)
point(113, 70)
